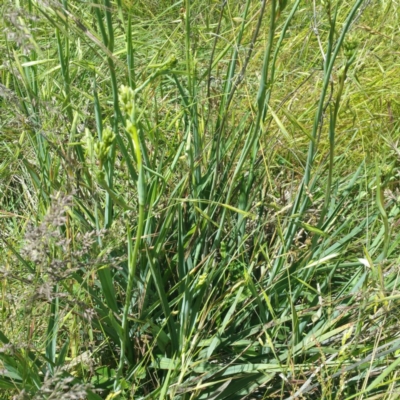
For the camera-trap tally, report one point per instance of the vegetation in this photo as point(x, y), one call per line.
point(199, 199)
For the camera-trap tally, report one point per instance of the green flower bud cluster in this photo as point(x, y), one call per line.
point(102, 147)
point(127, 99)
point(171, 63)
point(350, 48)
point(100, 176)
point(326, 4)
point(202, 280)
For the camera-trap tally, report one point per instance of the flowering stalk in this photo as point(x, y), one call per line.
point(128, 105)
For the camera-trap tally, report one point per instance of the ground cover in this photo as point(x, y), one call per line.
point(199, 199)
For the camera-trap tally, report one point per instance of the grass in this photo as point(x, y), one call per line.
point(199, 200)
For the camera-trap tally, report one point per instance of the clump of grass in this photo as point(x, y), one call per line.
point(57, 386)
point(224, 231)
